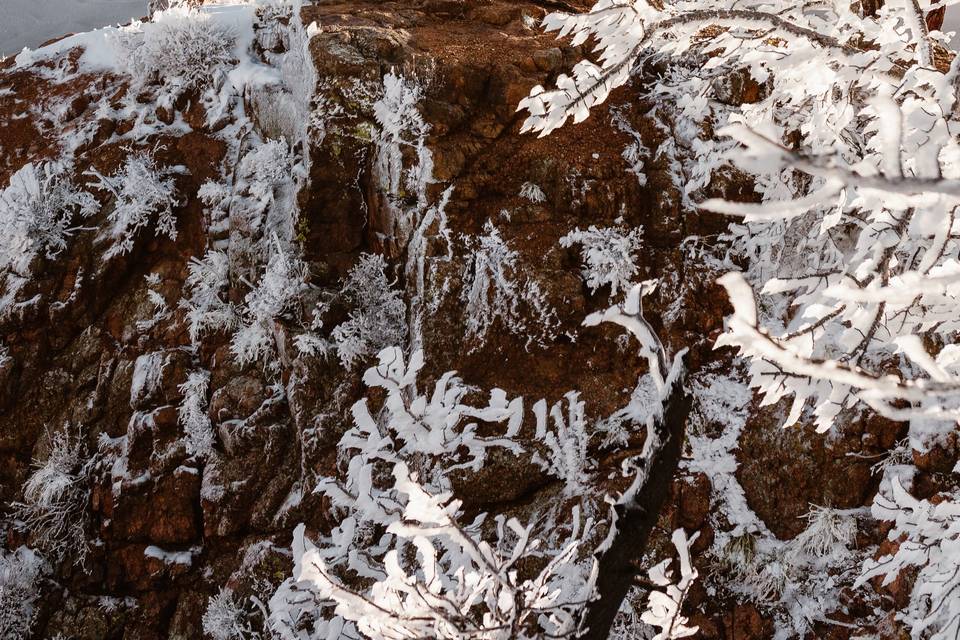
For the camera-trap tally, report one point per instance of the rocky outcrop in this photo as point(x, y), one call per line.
point(92, 351)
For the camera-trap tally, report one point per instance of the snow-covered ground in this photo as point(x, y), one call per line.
point(27, 23)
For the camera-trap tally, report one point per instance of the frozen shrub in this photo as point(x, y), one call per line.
point(37, 213)
point(533, 193)
point(204, 302)
point(829, 532)
point(378, 316)
point(282, 285)
point(144, 193)
point(609, 256)
point(55, 497)
point(182, 48)
point(493, 287)
point(566, 445)
point(266, 167)
point(419, 557)
point(226, 619)
point(20, 573)
point(162, 5)
point(198, 431)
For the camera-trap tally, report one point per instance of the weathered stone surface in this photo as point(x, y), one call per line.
point(159, 511)
point(784, 471)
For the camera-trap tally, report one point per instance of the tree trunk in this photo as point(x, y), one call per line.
point(620, 564)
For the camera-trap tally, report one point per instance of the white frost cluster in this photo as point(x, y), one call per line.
point(609, 256)
point(664, 604)
point(458, 585)
point(226, 619)
point(161, 310)
point(495, 287)
point(204, 301)
point(257, 207)
point(430, 574)
point(829, 532)
point(38, 210)
point(143, 195)
point(264, 172)
point(197, 429)
point(930, 544)
point(181, 47)
point(532, 192)
point(378, 314)
point(276, 294)
point(401, 133)
point(20, 574)
point(55, 497)
point(566, 445)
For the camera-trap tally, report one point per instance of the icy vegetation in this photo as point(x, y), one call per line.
point(458, 582)
point(664, 607)
point(277, 293)
point(39, 211)
point(144, 196)
point(20, 574)
point(494, 287)
point(197, 429)
point(567, 443)
point(267, 294)
point(181, 47)
point(400, 128)
point(609, 256)
point(55, 496)
point(854, 233)
point(204, 299)
point(377, 316)
point(226, 619)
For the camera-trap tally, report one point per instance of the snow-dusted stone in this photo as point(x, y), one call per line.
point(157, 376)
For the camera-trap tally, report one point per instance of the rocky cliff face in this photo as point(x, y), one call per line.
point(400, 138)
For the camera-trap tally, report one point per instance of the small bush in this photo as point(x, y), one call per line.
point(182, 49)
point(55, 498)
point(609, 256)
point(378, 319)
point(143, 193)
point(20, 573)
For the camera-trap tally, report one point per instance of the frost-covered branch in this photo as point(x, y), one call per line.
point(21, 571)
point(927, 537)
point(459, 586)
point(377, 316)
point(635, 513)
point(430, 574)
point(665, 602)
point(609, 256)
